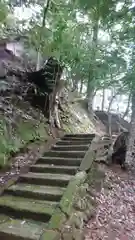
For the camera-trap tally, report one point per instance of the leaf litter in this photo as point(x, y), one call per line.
point(115, 214)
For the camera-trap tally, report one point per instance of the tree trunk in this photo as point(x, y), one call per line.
point(110, 103)
point(81, 87)
point(38, 61)
point(75, 85)
point(46, 7)
point(91, 80)
point(90, 97)
point(110, 116)
point(90, 103)
point(128, 105)
point(103, 99)
point(131, 143)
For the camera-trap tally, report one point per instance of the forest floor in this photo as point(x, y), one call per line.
point(115, 213)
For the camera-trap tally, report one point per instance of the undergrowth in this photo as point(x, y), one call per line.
point(13, 138)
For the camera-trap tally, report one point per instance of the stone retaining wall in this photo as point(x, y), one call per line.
point(77, 206)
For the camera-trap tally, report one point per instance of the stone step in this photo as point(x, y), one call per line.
point(106, 138)
point(29, 204)
point(79, 135)
point(47, 193)
point(70, 147)
point(60, 161)
point(74, 142)
point(15, 229)
point(47, 168)
point(60, 180)
point(65, 154)
point(26, 208)
point(105, 142)
point(76, 138)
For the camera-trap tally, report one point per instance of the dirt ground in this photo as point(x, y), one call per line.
point(115, 214)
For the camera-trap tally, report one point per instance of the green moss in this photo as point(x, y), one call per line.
point(12, 139)
point(92, 175)
point(37, 206)
point(26, 130)
point(19, 228)
point(57, 220)
point(67, 128)
point(50, 235)
point(67, 200)
point(41, 131)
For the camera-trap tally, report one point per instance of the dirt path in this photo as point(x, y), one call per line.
point(115, 215)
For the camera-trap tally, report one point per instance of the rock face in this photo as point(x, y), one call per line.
point(120, 148)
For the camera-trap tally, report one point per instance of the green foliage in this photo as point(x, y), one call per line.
point(3, 11)
point(11, 139)
point(72, 33)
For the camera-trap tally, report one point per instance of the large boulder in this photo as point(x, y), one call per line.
point(117, 153)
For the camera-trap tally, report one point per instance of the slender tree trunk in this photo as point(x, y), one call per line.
point(110, 116)
point(110, 125)
point(131, 144)
point(90, 103)
point(112, 99)
point(38, 61)
point(128, 105)
point(110, 104)
point(81, 87)
point(91, 80)
point(46, 7)
point(103, 99)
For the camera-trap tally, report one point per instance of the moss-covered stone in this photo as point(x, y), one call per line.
point(26, 204)
point(88, 160)
point(19, 229)
point(80, 204)
point(67, 236)
point(57, 220)
point(67, 200)
point(78, 234)
point(76, 220)
point(50, 235)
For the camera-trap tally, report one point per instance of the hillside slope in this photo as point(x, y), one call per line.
point(20, 123)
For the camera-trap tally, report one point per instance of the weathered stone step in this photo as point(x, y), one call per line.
point(79, 135)
point(76, 138)
point(60, 161)
point(105, 142)
point(74, 142)
point(70, 148)
point(47, 193)
point(26, 208)
point(33, 199)
point(15, 229)
point(65, 154)
point(46, 179)
point(47, 168)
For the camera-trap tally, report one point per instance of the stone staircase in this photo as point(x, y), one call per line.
point(27, 206)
